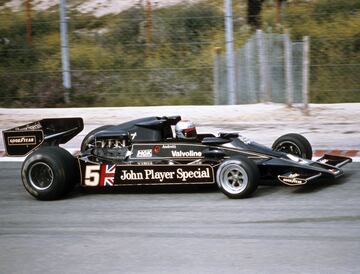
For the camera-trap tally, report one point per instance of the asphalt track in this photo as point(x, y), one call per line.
point(313, 229)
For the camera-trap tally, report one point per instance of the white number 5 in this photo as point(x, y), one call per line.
point(92, 175)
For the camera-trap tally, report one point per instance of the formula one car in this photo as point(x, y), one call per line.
point(146, 152)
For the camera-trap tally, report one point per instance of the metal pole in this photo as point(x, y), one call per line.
point(239, 93)
point(288, 70)
point(65, 51)
point(262, 61)
point(305, 75)
point(230, 62)
point(217, 71)
point(249, 66)
point(268, 42)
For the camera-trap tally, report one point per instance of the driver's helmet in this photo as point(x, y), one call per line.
point(185, 130)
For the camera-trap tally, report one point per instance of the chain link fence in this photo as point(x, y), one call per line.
point(269, 68)
point(164, 55)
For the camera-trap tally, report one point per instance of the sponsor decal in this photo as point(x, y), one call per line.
point(22, 140)
point(144, 153)
point(99, 175)
point(156, 149)
point(190, 153)
point(294, 175)
point(323, 161)
point(32, 126)
point(107, 173)
point(292, 179)
point(169, 146)
point(161, 174)
point(91, 175)
point(150, 174)
point(147, 163)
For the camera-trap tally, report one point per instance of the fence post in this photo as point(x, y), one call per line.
point(249, 66)
point(65, 51)
point(305, 75)
point(216, 75)
point(289, 82)
point(229, 44)
point(239, 95)
point(268, 53)
point(262, 61)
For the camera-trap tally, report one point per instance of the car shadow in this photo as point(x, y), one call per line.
point(264, 189)
point(80, 191)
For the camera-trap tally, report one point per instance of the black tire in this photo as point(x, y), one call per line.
point(90, 137)
point(294, 144)
point(246, 180)
point(49, 173)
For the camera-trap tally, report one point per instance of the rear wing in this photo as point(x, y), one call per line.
point(21, 140)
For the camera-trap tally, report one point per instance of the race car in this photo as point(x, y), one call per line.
point(147, 152)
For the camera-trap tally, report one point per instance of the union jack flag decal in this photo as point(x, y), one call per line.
point(107, 173)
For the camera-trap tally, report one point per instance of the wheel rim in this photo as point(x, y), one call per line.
point(41, 176)
point(234, 179)
point(289, 147)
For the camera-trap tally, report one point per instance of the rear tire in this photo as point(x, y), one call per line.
point(49, 173)
point(294, 144)
point(238, 177)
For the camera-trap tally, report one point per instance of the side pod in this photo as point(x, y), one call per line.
point(21, 140)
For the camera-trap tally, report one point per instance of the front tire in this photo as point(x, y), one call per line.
point(294, 144)
point(49, 173)
point(238, 177)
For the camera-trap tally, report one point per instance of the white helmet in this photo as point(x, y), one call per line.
point(185, 130)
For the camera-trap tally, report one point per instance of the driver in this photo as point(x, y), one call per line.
point(185, 130)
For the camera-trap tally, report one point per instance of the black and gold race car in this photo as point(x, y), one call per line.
point(146, 152)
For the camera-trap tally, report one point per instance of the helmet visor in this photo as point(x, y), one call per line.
point(189, 132)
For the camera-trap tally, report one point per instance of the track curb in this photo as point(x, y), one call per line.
point(337, 152)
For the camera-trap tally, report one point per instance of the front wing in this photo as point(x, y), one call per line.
point(302, 172)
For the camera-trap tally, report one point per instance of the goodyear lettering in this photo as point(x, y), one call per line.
point(22, 140)
point(292, 181)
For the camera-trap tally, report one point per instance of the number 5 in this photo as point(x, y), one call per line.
point(92, 175)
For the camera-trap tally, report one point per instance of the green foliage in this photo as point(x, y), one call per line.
point(326, 9)
point(114, 63)
point(334, 31)
point(3, 2)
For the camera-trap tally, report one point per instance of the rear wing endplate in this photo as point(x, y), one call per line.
point(21, 140)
